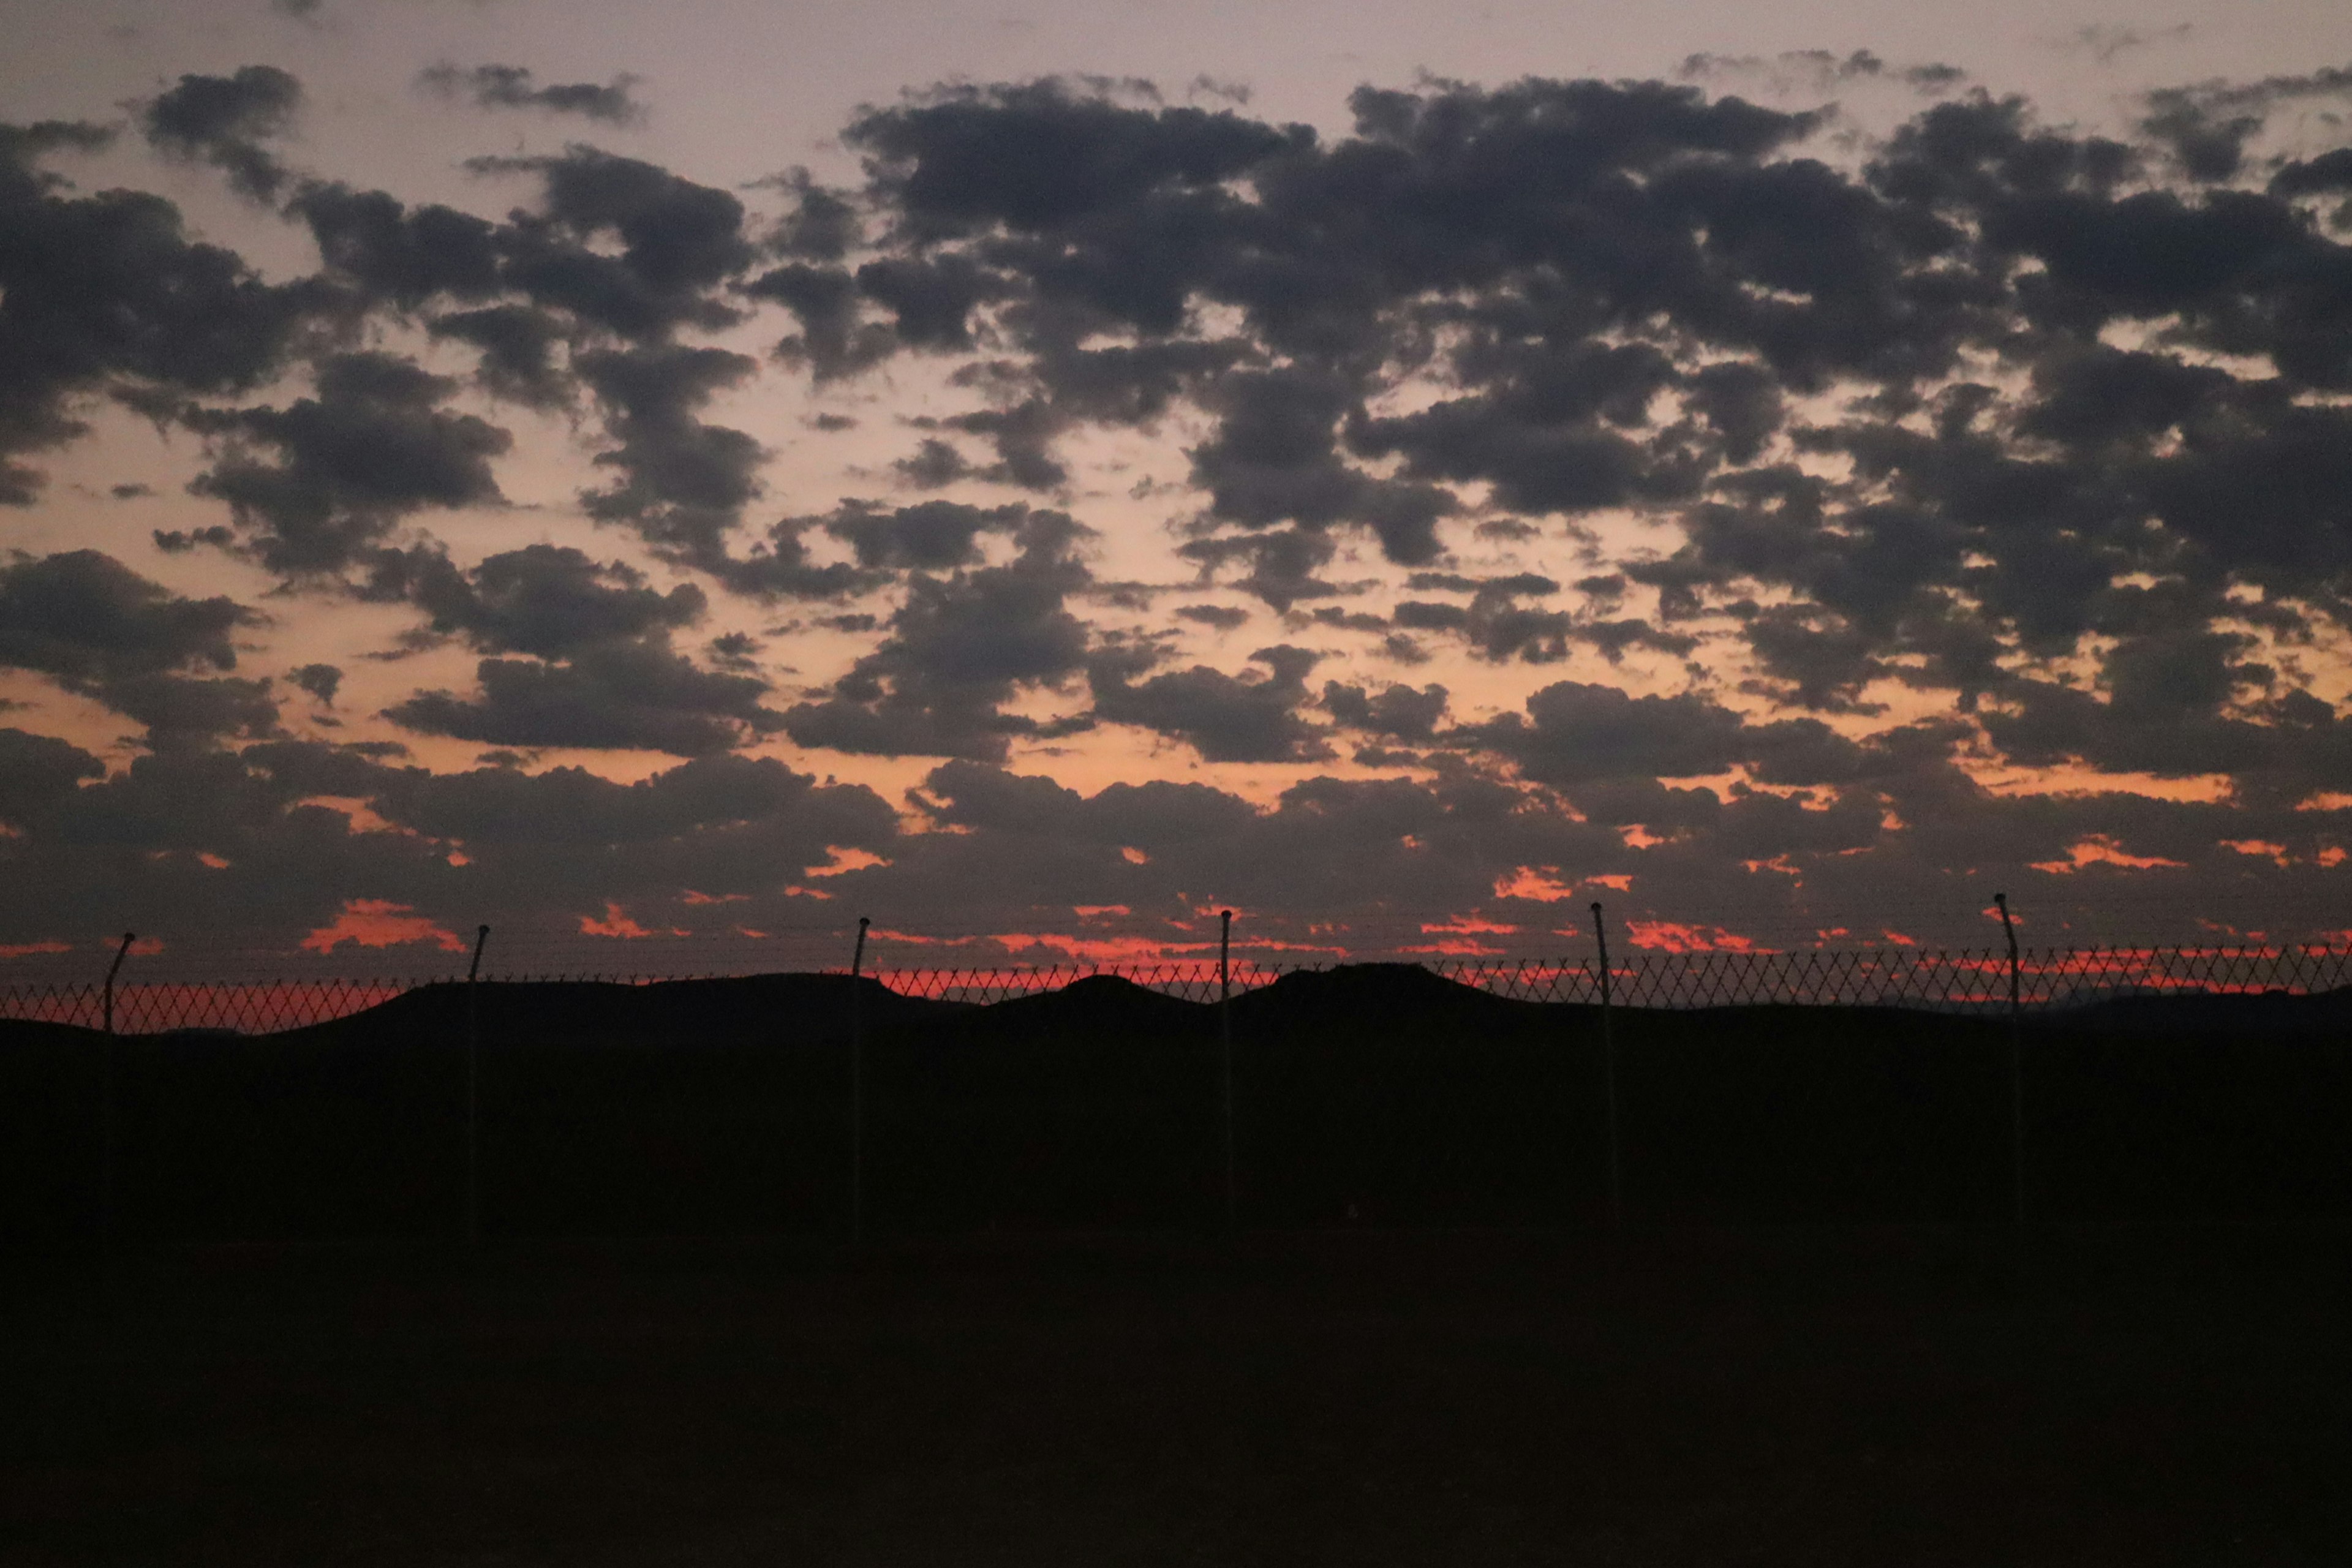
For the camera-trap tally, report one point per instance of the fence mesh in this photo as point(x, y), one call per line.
point(1968, 980)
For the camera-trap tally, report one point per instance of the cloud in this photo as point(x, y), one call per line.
point(833, 341)
point(313, 487)
point(395, 254)
point(932, 536)
point(107, 294)
point(1398, 713)
point(190, 845)
point(622, 695)
point(512, 87)
point(2033, 427)
point(82, 616)
point(1037, 155)
point(1575, 732)
point(623, 246)
point(99, 629)
point(518, 344)
point(600, 670)
point(683, 483)
point(546, 600)
point(38, 770)
point(958, 650)
point(320, 680)
point(224, 121)
point(1225, 718)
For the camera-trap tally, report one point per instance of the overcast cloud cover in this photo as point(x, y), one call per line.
point(1789, 499)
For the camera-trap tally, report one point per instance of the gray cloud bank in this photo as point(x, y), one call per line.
point(2044, 431)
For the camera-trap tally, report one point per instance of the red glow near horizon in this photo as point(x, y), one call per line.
point(2100, 849)
point(1538, 884)
point(1673, 936)
point(617, 923)
point(379, 923)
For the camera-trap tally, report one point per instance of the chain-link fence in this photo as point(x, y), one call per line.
point(1959, 981)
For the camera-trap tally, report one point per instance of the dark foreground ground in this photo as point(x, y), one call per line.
point(2174, 1394)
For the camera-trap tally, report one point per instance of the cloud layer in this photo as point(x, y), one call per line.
point(1818, 529)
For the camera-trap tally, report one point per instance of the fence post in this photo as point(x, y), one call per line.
point(2016, 1074)
point(1225, 1041)
point(1609, 1076)
point(106, 1107)
point(474, 1091)
point(857, 1086)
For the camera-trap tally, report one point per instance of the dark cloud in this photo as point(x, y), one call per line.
point(1224, 618)
point(1275, 457)
point(224, 121)
point(1398, 713)
point(934, 536)
point(179, 710)
point(1225, 718)
point(683, 483)
point(833, 341)
point(636, 694)
point(314, 486)
point(678, 244)
point(320, 680)
point(513, 86)
point(395, 254)
point(823, 226)
point(107, 294)
point(1283, 563)
point(1574, 733)
point(99, 629)
point(1820, 71)
point(2040, 424)
point(38, 770)
point(935, 465)
point(546, 600)
point(715, 841)
point(930, 299)
point(1039, 156)
point(958, 650)
point(518, 344)
point(1499, 626)
point(86, 619)
point(600, 672)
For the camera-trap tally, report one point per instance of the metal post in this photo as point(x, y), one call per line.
point(2016, 1074)
point(857, 1086)
point(106, 1105)
point(1225, 1037)
point(474, 1091)
point(1609, 1076)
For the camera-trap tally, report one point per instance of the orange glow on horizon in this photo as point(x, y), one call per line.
point(1538, 884)
point(379, 923)
point(1674, 936)
point(617, 923)
point(2100, 849)
point(845, 859)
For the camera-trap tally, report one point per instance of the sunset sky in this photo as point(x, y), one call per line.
point(668, 480)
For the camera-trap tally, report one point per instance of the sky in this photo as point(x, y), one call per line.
point(666, 482)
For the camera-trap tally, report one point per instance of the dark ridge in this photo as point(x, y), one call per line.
point(1372, 1094)
point(782, 1008)
point(1105, 1005)
point(1381, 995)
point(2176, 1013)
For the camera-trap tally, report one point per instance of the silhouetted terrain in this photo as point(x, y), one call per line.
point(1923, 1397)
point(1379, 1095)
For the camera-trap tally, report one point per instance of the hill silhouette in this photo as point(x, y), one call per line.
point(1370, 1095)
